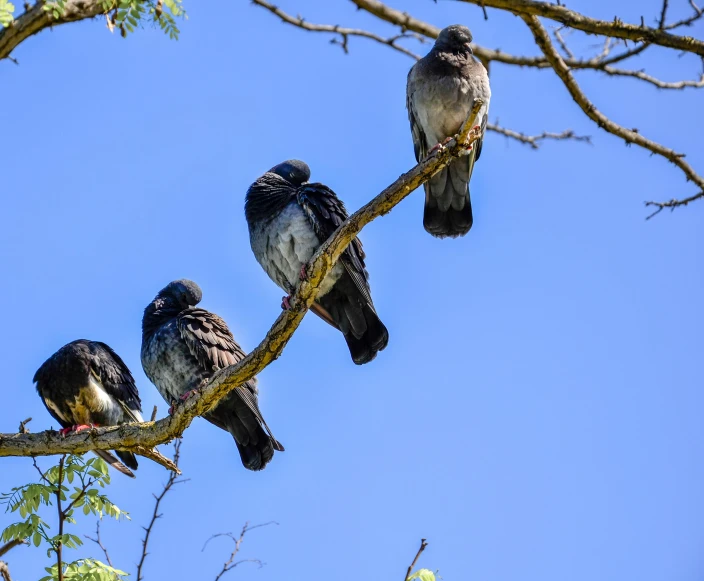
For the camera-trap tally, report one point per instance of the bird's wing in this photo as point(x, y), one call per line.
point(210, 341)
point(116, 379)
point(326, 213)
point(420, 143)
point(479, 79)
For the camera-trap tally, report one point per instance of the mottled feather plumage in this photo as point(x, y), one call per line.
point(86, 382)
point(440, 91)
point(182, 347)
point(289, 218)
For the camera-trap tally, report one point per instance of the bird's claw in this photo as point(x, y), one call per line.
point(77, 428)
point(303, 275)
point(188, 394)
point(439, 146)
point(285, 303)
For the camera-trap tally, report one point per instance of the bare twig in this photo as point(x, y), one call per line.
point(149, 434)
point(23, 426)
point(98, 541)
point(344, 33)
point(170, 483)
point(629, 135)
point(231, 563)
point(562, 43)
point(153, 418)
point(534, 140)
point(423, 545)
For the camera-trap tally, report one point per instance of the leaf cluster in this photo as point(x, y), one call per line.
point(74, 484)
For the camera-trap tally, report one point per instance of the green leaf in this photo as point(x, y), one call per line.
point(37, 539)
point(422, 575)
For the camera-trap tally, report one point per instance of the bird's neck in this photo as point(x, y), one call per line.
point(157, 314)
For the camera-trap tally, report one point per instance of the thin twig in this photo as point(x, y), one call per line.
point(231, 563)
point(423, 544)
point(171, 482)
point(344, 33)
point(98, 541)
point(23, 426)
point(534, 140)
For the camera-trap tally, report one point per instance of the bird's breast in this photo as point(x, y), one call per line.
point(168, 363)
point(284, 244)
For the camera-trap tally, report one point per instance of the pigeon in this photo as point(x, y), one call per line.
point(288, 219)
point(182, 347)
point(440, 92)
point(85, 384)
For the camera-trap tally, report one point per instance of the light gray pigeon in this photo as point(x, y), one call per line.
point(289, 218)
point(86, 384)
point(182, 347)
point(440, 92)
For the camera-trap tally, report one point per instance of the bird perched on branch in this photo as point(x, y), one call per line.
point(182, 347)
point(289, 218)
point(440, 91)
point(85, 384)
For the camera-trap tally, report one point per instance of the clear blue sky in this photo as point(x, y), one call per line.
point(537, 414)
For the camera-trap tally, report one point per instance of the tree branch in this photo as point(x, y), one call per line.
point(534, 140)
point(98, 541)
point(170, 483)
point(35, 19)
point(135, 437)
point(6, 548)
point(599, 62)
point(344, 33)
point(616, 29)
point(231, 563)
point(630, 135)
point(423, 545)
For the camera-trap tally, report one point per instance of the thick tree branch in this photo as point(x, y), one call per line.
point(149, 434)
point(486, 55)
point(631, 136)
point(614, 29)
point(35, 19)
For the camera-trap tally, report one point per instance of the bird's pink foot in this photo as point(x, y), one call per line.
point(77, 428)
point(188, 394)
point(303, 275)
point(439, 146)
point(285, 303)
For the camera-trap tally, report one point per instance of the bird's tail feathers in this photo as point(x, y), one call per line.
point(115, 463)
point(448, 207)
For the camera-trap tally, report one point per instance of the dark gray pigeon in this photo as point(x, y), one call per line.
point(288, 220)
point(182, 347)
point(439, 95)
point(86, 384)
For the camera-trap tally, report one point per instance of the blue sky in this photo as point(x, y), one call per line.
point(537, 413)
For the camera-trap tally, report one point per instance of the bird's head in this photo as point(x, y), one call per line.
point(455, 38)
point(183, 293)
point(293, 171)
